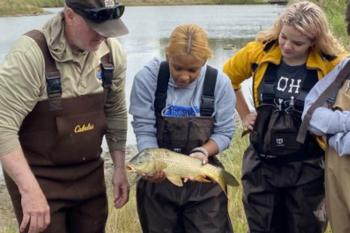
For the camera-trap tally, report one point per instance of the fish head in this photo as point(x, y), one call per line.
point(142, 163)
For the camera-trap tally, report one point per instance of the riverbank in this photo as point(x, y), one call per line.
point(35, 7)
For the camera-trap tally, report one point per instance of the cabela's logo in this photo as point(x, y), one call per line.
point(83, 128)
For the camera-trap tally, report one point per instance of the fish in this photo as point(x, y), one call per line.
point(178, 166)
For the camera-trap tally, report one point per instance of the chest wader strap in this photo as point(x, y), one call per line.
point(53, 77)
point(162, 88)
point(334, 87)
point(268, 95)
point(207, 98)
point(107, 70)
point(165, 138)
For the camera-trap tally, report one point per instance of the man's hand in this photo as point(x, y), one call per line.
point(36, 211)
point(120, 187)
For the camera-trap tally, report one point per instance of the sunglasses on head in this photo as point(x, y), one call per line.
point(100, 15)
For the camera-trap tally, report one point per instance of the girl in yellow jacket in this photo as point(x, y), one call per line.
point(282, 179)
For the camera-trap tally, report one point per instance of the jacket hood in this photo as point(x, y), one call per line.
point(57, 42)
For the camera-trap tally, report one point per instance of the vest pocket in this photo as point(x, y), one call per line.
point(183, 134)
point(79, 138)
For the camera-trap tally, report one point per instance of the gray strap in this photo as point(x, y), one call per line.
point(344, 73)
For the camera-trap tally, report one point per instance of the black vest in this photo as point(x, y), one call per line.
point(277, 125)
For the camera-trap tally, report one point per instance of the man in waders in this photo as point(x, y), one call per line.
point(62, 90)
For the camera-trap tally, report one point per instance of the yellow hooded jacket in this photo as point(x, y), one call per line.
point(253, 59)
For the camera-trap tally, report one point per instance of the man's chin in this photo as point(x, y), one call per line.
point(94, 47)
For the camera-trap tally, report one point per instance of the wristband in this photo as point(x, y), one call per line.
point(201, 150)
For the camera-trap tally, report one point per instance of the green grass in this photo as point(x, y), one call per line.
point(335, 11)
point(18, 7)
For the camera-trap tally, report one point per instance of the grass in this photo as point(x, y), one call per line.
point(335, 11)
point(18, 7)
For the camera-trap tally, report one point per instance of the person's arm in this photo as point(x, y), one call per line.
point(224, 121)
point(21, 83)
point(248, 118)
point(36, 211)
point(142, 110)
point(239, 68)
point(340, 142)
point(141, 105)
point(119, 179)
point(324, 121)
point(116, 117)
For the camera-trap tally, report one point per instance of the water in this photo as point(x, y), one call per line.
point(228, 26)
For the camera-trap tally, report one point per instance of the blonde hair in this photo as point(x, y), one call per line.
point(310, 20)
point(189, 39)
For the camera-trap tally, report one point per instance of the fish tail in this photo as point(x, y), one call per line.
point(218, 177)
point(230, 179)
point(223, 178)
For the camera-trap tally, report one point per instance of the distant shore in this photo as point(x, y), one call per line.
point(35, 7)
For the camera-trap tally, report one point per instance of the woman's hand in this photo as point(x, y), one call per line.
point(201, 156)
point(249, 120)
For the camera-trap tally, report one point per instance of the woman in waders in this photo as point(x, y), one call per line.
point(186, 106)
point(283, 180)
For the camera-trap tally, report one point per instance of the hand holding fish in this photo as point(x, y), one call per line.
point(200, 153)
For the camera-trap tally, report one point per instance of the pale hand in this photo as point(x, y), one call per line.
point(120, 187)
point(36, 211)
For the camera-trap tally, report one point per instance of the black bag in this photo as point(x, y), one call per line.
point(274, 135)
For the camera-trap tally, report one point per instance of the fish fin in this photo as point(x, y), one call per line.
point(230, 179)
point(176, 180)
point(133, 178)
point(201, 178)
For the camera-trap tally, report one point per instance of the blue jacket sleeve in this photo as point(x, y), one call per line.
point(141, 105)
